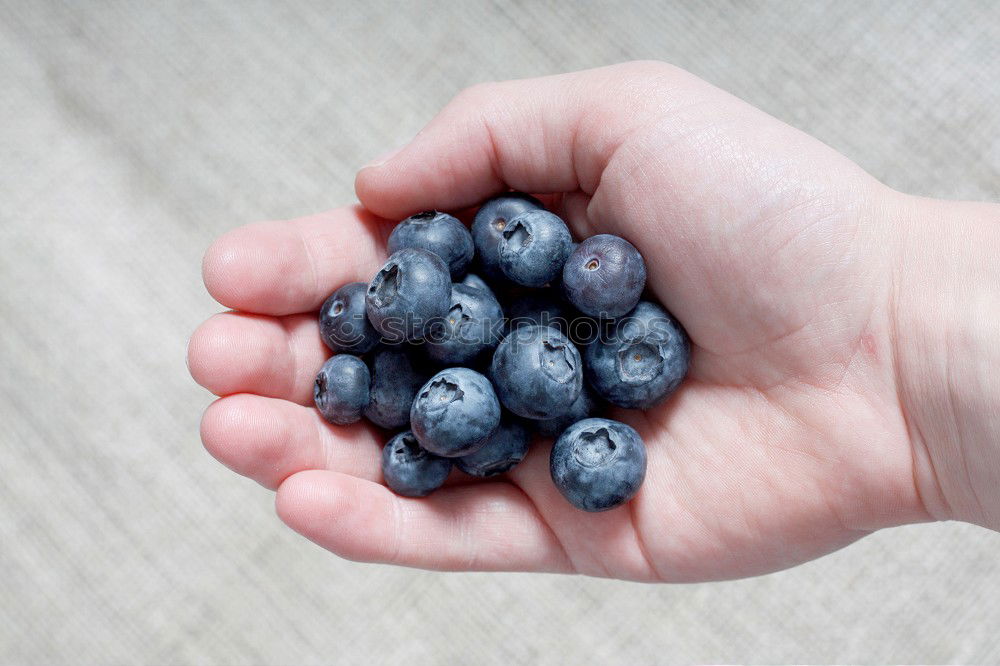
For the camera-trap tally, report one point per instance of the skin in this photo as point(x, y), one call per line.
point(843, 334)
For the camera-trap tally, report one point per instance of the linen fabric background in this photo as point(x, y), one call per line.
point(132, 134)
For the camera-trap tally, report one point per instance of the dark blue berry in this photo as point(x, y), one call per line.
point(341, 389)
point(533, 248)
point(395, 382)
point(408, 294)
point(439, 233)
point(504, 449)
point(585, 405)
point(454, 412)
point(489, 223)
point(604, 276)
point(541, 307)
point(473, 280)
point(598, 464)
point(410, 470)
point(537, 372)
point(642, 360)
point(343, 321)
point(473, 326)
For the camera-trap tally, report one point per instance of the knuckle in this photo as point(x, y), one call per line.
point(652, 69)
point(477, 94)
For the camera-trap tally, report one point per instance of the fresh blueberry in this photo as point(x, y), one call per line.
point(541, 307)
point(548, 308)
point(506, 447)
point(604, 276)
point(489, 224)
point(408, 294)
point(537, 372)
point(642, 360)
point(473, 280)
point(410, 470)
point(394, 384)
point(533, 248)
point(647, 319)
point(341, 389)
point(473, 326)
point(439, 233)
point(343, 322)
point(454, 412)
point(598, 464)
point(585, 405)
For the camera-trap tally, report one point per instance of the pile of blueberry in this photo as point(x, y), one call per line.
point(426, 346)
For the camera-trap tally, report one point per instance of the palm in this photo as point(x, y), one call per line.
point(775, 450)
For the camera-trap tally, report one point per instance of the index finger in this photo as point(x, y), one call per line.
point(286, 267)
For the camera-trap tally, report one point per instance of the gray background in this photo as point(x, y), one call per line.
point(131, 135)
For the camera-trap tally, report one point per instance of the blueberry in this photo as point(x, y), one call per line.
point(505, 448)
point(473, 280)
point(533, 248)
point(537, 372)
point(410, 470)
point(541, 307)
point(343, 322)
point(647, 319)
point(394, 384)
point(439, 233)
point(642, 360)
point(341, 389)
point(585, 405)
point(473, 326)
point(490, 222)
point(598, 464)
point(548, 308)
point(454, 412)
point(408, 294)
point(604, 276)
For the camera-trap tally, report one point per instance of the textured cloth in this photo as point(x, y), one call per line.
point(132, 134)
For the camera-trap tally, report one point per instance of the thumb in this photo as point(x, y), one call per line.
point(550, 134)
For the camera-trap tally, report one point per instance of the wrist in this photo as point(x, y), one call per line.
point(946, 306)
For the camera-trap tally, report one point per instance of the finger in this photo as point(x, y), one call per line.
point(549, 134)
point(574, 209)
point(487, 527)
point(268, 440)
point(277, 357)
point(286, 267)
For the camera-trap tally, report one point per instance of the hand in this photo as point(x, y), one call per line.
point(787, 441)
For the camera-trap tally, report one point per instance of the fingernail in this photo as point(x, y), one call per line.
point(385, 157)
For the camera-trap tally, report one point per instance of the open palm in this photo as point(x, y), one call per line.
point(787, 440)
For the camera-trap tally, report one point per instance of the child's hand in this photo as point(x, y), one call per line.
point(821, 403)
